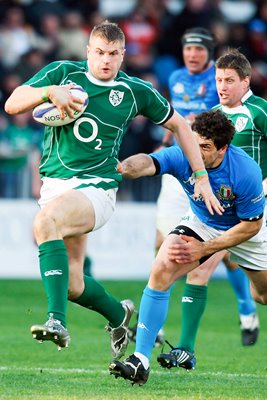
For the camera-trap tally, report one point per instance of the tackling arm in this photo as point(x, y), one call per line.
point(136, 166)
point(194, 250)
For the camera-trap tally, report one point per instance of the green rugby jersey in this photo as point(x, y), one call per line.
point(250, 121)
point(89, 146)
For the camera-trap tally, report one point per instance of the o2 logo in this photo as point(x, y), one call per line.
point(93, 135)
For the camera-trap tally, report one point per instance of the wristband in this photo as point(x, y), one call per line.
point(201, 172)
point(44, 93)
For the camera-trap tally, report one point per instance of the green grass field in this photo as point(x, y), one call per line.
point(28, 370)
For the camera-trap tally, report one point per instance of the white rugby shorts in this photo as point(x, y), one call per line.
point(250, 254)
point(103, 201)
point(172, 204)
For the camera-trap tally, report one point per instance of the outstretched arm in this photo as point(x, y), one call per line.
point(136, 166)
point(189, 145)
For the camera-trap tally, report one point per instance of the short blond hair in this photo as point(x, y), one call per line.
point(109, 31)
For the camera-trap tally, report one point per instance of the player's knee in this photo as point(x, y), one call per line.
point(198, 277)
point(43, 225)
point(162, 275)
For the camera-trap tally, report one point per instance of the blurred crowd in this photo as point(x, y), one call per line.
point(36, 32)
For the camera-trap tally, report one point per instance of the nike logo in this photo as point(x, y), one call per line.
point(53, 272)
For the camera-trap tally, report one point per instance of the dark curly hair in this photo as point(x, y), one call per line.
point(214, 125)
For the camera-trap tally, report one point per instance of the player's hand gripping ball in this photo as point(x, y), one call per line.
point(48, 114)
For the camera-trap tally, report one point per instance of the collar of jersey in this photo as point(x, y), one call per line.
point(240, 108)
point(246, 96)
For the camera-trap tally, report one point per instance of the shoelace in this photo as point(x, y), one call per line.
point(168, 343)
point(52, 322)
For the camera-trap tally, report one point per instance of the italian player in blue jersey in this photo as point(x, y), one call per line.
point(80, 178)
point(192, 91)
point(200, 236)
point(248, 114)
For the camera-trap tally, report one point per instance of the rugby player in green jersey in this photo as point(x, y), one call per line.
point(249, 116)
point(80, 178)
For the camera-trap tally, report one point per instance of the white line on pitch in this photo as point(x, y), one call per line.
point(102, 371)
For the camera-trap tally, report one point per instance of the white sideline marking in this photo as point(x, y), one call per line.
point(105, 372)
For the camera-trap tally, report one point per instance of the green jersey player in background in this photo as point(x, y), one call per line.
point(249, 116)
point(79, 172)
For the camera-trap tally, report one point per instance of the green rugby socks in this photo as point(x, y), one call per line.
point(96, 298)
point(54, 269)
point(193, 306)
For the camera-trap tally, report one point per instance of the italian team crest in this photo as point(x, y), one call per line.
point(225, 192)
point(115, 97)
point(240, 124)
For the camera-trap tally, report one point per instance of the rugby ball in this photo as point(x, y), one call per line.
point(48, 114)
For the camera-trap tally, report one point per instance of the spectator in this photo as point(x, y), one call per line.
point(9, 82)
point(29, 64)
point(257, 39)
point(16, 37)
point(49, 30)
point(16, 143)
point(140, 36)
point(72, 37)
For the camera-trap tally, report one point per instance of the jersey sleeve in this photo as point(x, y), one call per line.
point(51, 74)
point(171, 161)
point(260, 118)
point(153, 105)
point(250, 199)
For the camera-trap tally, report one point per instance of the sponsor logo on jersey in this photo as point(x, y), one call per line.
point(178, 88)
point(258, 198)
point(241, 123)
point(191, 180)
point(115, 97)
point(53, 272)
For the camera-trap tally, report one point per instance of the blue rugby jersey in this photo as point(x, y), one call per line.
point(237, 183)
point(194, 93)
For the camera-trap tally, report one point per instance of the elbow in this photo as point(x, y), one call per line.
point(10, 107)
point(13, 103)
point(256, 227)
